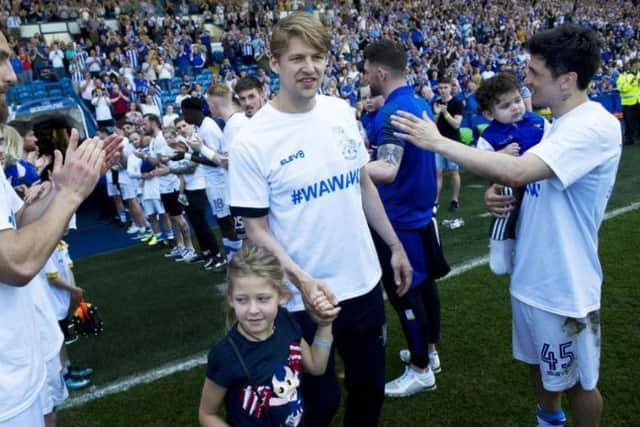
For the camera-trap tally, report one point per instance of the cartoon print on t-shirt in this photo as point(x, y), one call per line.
point(281, 400)
point(286, 384)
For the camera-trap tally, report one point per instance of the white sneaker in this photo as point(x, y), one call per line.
point(134, 229)
point(410, 383)
point(188, 256)
point(175, 252)
point(434, 360)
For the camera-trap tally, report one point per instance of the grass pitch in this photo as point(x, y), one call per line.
point(157, 311)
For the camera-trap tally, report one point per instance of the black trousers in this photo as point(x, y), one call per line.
point(631, 123)
point(196, 213)
point(418, 310)
point(359, 337)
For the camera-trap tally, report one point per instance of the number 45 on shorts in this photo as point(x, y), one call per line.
point(564, 356)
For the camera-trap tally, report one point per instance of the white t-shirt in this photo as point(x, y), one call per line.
point(56, 57)
point(556, 261)
point(123, 175)
point(88, 90)
point(22, 368)
point(59, 265)
point(165, 71)
point(233, 126)
point(51, 336)
point(168, 120)
point(158, 146)
point(305, 168)
point(103, 108)
point(133, 171)
point(212, 137)
point(192, 181)
point(150, 109)
point(180, 98)
point(150, 187)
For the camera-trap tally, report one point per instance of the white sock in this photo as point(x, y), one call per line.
point(501, 256)
point(231, 247)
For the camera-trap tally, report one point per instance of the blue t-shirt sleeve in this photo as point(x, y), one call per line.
point(220, 359)
point(386, 129)
point(289, 322)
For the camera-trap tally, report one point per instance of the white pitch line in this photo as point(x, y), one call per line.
point(201, 358)
point(477, 262)
point(617, 212)
point(136, 379)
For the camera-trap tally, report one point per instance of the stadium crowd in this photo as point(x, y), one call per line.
point(149, 48)
point(174, 103)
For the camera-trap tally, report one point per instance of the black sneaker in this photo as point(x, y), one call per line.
point(209, 263)
point(217, 264)
point(454, 206)
point(220, 265)
point(200, 258)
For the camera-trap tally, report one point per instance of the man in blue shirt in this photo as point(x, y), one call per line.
point(406, 181)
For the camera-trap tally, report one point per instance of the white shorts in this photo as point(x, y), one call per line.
point(218, 200)
point(567, 350)
point(112, 190)
point(152, 207)
point(30, 417)
point(55, 390)
point(442, 163)
point(128, 191)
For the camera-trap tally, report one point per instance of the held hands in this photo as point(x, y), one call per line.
point(323, 312)
point(497, 204)
point(421, 132)
point(319, 301)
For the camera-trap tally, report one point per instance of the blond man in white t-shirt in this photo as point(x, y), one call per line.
point(297, 177)
point(569, 176)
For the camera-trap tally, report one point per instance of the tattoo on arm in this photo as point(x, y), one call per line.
point(390, 153)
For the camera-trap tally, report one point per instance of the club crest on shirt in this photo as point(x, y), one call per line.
point(348, 144)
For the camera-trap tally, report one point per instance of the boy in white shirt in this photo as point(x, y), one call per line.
point(141, 169)
point(62, 292)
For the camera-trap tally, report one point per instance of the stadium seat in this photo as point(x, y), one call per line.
point(25, 97)
point(466, 135)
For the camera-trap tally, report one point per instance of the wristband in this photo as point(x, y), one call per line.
point(207, 152)
point(322, 343)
